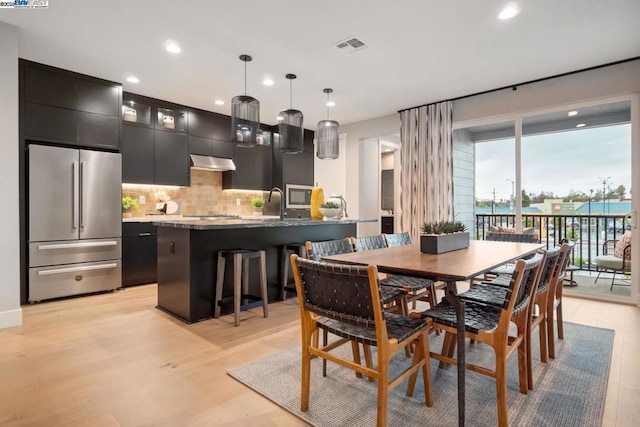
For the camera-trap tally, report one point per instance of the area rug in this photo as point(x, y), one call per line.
point(568, 391)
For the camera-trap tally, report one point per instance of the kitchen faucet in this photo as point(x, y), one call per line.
point(281, 201)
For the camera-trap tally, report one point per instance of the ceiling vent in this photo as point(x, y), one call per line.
point(351, 45)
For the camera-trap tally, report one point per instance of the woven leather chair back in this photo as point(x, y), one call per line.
point(319, 250)
point(370, 242)
point(548, 269)
point(398, 239)
point(529, 281)
point(337, 291)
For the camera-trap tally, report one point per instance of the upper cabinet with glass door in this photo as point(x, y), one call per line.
point(136, 110)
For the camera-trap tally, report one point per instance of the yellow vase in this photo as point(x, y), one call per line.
point(317, 198)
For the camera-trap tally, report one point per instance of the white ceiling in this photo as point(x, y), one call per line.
point(419, 51)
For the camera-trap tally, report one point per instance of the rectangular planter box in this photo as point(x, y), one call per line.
point(438, 244)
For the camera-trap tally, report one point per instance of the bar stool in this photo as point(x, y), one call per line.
point(285, 263)
point(241, 258)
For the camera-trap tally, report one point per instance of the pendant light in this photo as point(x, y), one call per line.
point(245, 115)
point(290, 127)
point(327, 136)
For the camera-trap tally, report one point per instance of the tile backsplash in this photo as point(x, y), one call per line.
point(205, 196)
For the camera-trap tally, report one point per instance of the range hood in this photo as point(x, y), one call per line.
point(212, 163)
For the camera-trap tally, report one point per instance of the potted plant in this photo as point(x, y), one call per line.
point(443, 236)
point(128, 203)
point(257, 203)
point(331, 210)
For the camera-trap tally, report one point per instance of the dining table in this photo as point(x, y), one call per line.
point(450, 267)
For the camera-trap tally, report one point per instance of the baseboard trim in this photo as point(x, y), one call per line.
point(10, 318)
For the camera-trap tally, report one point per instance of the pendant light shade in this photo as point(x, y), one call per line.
point(327, 136)
point(290, 127)
point(245, 115)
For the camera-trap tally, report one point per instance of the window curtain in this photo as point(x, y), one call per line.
point(426, 161)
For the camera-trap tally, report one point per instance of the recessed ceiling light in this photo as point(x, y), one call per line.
point(219, 102)
point(279, 118)
point(133, 79)
point(172, 47)
point(267, 82)
point(330, 104)
point(580, 125)
point(387, 149)
point(509, 11)
point(572, 113)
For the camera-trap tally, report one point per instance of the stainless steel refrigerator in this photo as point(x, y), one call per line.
point(75, 221)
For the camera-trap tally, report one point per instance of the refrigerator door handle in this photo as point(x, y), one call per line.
point(83, 201)
point(76, 196)
point(77, 245)
point(76, 269)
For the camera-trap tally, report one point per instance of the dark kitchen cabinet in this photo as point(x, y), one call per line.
point(46, 122)
point(154, 151)
point(98, 98)
point(171, 158)
point(293, 168)
point(97, 130)
point(69, 108)
point(253, 169)
point(49, 88)
point(139, 253)
point(386, 223)
point(209, 125)
point(210, 147)
point(138, 153)
point(209, 134)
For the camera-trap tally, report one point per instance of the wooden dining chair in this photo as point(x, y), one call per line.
point(415, 287)
point(392, 298)
point(554, 303)
point(403, 239)
point(346, 300)
point(489, 324)
point(390, 295)
point(493, 293)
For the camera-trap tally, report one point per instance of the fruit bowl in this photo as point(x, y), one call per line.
point(331, 213)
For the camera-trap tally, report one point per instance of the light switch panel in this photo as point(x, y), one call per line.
point(142, 200)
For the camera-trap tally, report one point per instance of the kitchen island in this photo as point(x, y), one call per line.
point(188, 249)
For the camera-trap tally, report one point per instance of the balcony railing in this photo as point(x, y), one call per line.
point(588, 232)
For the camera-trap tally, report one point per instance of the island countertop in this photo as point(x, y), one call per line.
point(215, 224)
point(188, 257)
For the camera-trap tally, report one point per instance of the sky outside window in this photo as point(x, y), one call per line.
point(558, 163)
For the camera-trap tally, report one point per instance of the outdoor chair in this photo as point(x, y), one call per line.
point(615, 258)
point(505, 269)
point(345, 300)
point(489, 324)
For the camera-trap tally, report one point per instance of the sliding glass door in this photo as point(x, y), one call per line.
point(565, 174)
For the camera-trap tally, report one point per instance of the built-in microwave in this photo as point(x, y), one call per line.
point(298, 196)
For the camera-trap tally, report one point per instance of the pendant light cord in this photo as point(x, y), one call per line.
point(245, 78)
point(290, 94)
point(327, 106)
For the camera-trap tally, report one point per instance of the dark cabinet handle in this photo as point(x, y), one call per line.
point(172, 248)
point(144, 234)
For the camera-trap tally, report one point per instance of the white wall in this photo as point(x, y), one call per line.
point(10, 311)
point(368, 129)
point(369, 194)
point(604, 82)
point(331, 175)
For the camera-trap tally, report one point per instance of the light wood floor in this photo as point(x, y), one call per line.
point(115, 360)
